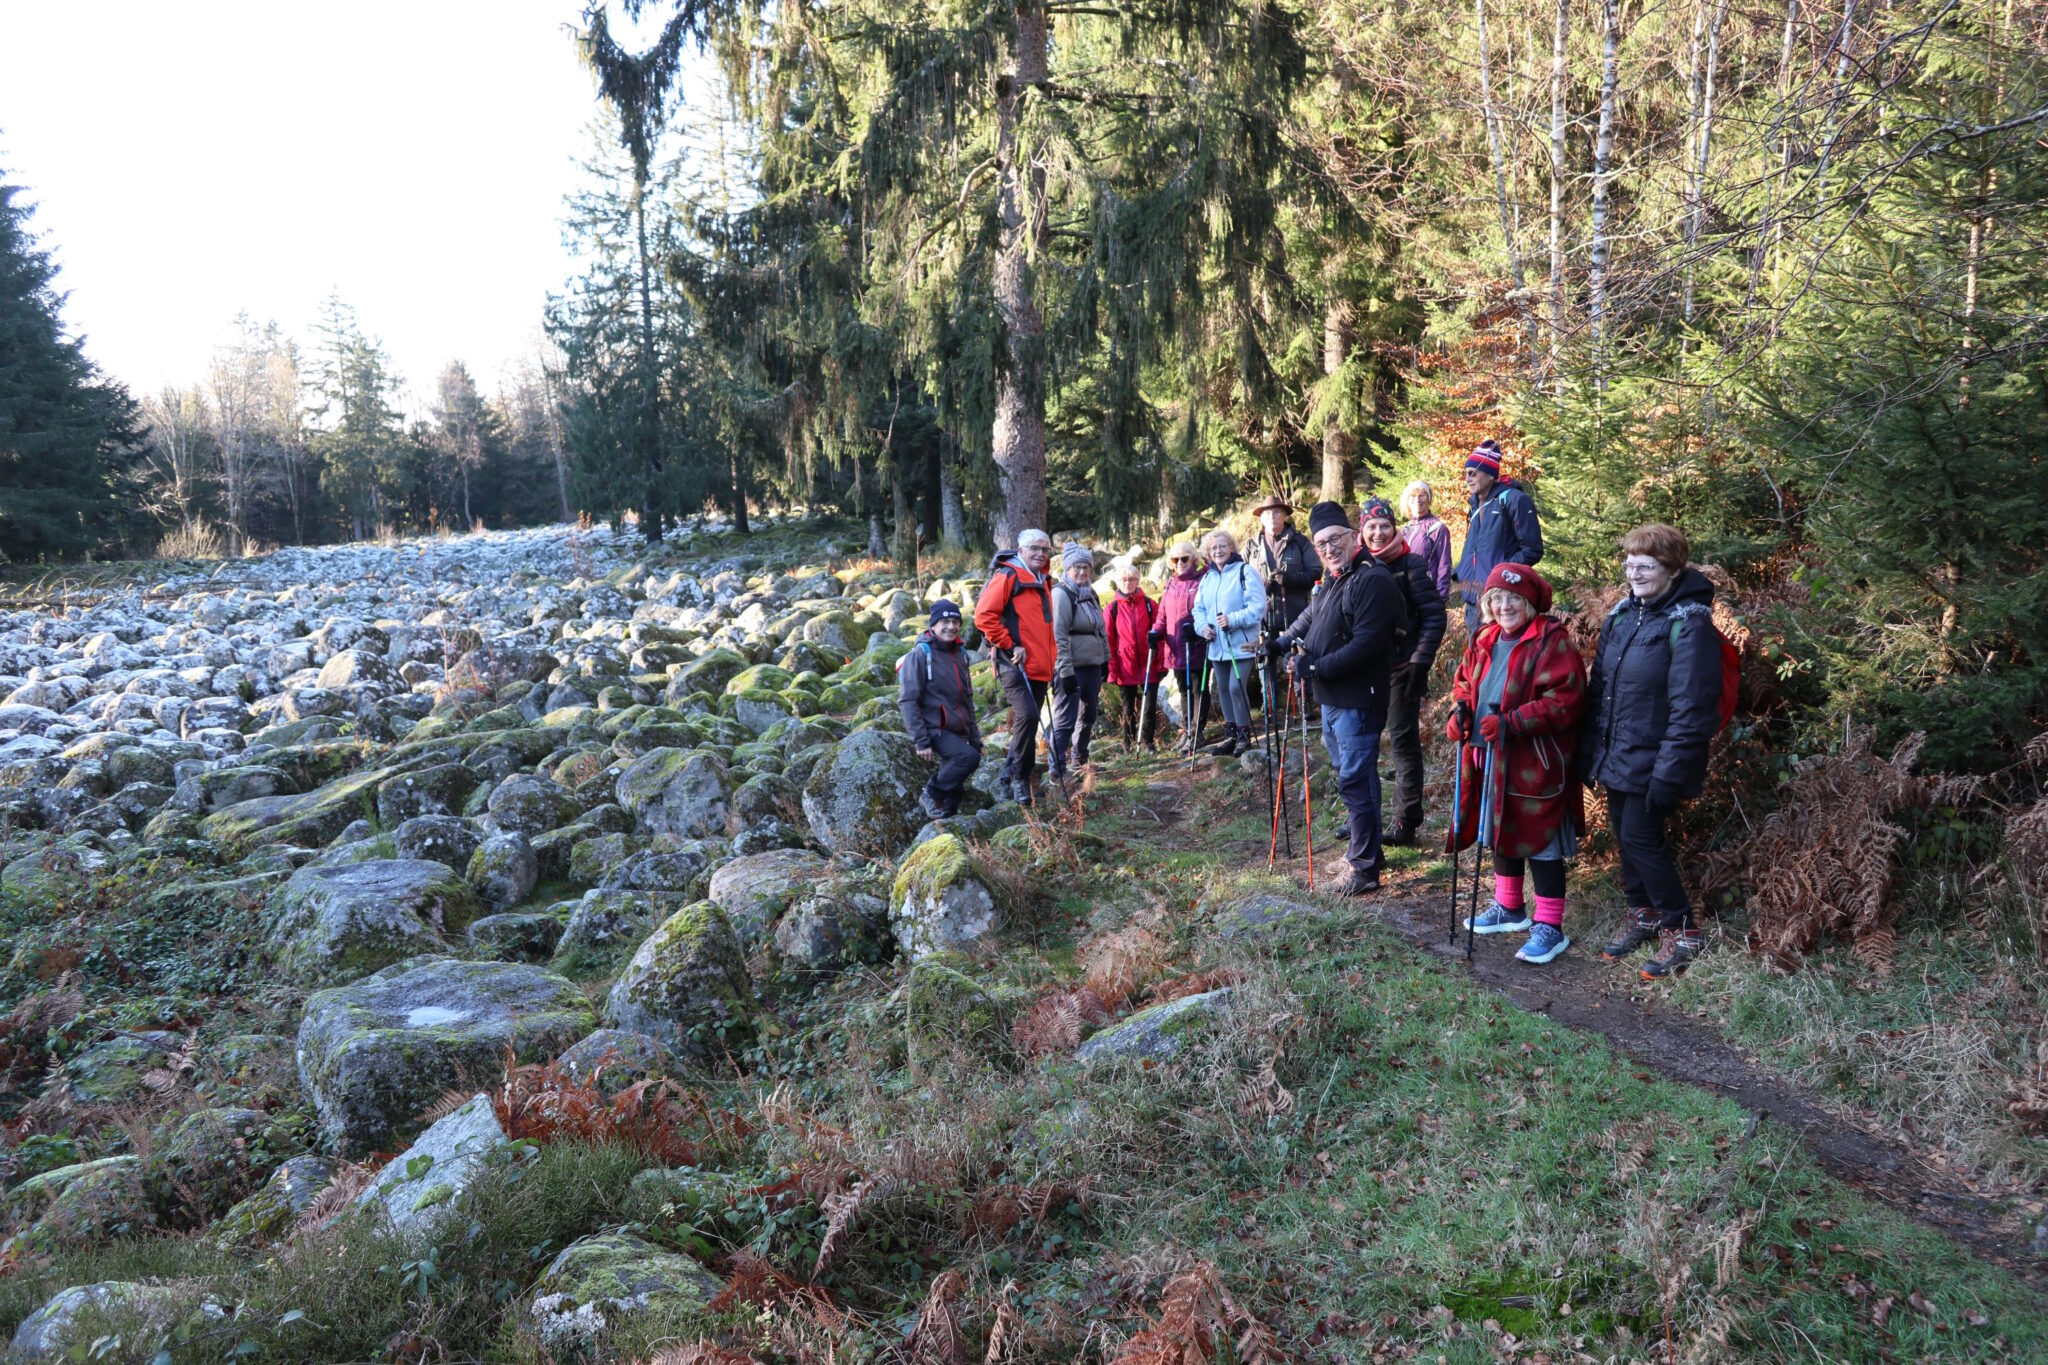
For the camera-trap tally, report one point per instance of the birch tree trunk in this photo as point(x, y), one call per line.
point(1557, 122)
point(1703, 135)
point(1019, 434)
point(1338, 444)
point(1603, 157)
point(952, 512)
point(1500, 186)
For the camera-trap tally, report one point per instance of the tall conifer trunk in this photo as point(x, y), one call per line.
point(647, 431)
point(1019, 436)
point(1557, 126)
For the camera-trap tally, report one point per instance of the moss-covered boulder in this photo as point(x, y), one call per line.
point(683, 792)
point(710, 673)
point(440, 789)
point(1157, 1034)
point(837, 921)
point(605, 927)
point(206, 1162)
point(754, 891)
point(423, 1187)
point(269, 1214)
point(310, 820)
point(139, 763)
point(615, 1058)
point(761, 710)
point(528, 804)
point(862, 799)
point(503, 869)
point(838, 631)
point(104, 1200)
point(374, 1054)
point(445, 839)
point(330, 924)
point(517, 936)
point(597, 1285)
point(111, 1073)
point(938, 903)
point(594, 855)
point(66, 1327)
point(687, 986)
point(945, 1004)
point(51, 876)
point(759, 678)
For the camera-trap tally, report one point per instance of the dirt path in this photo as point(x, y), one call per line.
point(1583, 991)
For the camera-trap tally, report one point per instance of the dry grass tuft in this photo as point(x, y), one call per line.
point(1821, 864)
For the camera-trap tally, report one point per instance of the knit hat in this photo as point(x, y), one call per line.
point(1485, 458)
point(1324, 515)
point(1380, 508)
point(1076, 553)
point(944, 610)
point(1524, 582)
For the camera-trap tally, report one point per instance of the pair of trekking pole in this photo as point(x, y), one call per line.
point(1276, 764)
point(1487, 833)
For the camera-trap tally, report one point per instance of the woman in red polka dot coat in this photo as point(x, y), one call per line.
point(1522, 686)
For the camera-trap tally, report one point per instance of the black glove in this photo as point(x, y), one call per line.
point(1155, 637)
point(1662, 798)
point(1186, 630)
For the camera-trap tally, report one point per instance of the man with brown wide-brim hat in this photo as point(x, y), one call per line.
point(1284, 558)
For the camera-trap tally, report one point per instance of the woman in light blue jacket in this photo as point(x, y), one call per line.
point(1230, 604)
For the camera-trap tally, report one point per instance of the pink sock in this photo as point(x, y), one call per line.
point(1550, 911)
point(1507, 892)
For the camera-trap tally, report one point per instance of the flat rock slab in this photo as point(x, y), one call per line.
point(374, 1055)
point(335, 923)
point(1157, 1034)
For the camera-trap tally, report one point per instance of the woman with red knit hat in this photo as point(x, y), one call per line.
point(1522, 687)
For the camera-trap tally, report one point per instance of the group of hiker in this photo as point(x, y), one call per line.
point(1346, 622)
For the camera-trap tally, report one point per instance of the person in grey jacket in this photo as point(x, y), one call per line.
point(935, 693)
point(1081, 658)
point(1656, 703)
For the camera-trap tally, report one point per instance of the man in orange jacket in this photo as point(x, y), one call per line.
point(1015, 612)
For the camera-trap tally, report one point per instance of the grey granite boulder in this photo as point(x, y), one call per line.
point(330, 924)
point(374, 1054)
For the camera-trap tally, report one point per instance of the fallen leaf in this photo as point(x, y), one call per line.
point(1918, 1304)
point(1881, 1311)
point(1976, 1319)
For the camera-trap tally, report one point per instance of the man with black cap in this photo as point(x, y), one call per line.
point(936, 696)
point(1344, 645)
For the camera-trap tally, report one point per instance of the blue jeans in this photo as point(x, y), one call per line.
point(1355, 749)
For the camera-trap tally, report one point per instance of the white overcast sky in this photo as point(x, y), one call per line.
point(191, 159)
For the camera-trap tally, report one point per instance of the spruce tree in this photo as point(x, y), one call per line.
point(68, 436)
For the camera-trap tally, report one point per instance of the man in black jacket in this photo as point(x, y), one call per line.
point(1343, 644)
point(1409, 683)
point(936, 696)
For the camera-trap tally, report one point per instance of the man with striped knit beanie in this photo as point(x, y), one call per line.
point(1501, 527)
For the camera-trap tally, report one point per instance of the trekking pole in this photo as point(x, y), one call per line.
point(1202, 714)
point(1457, 828)
point(1480, 840)
point(1280, 769)
point(1146, 687)
point(1308, 814)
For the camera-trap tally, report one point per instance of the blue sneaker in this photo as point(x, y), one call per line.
point(1546, 941)
point(1498, 919)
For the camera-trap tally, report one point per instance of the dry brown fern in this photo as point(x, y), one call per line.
point(1196, 983)
point(937, 1338)
point(1055, 1021)
point(1000, 1208)
point(1118, 965)
point(759, 1283)
point(349, 1180)
point(1821, 864)
point(1198, 1323)
point(701, 1353)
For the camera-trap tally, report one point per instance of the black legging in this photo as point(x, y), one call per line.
point(1140, 700)
point(1649, 878)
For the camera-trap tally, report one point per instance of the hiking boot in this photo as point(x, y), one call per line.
point(1403, 835)
point(1680, 946)
point(1639, 928)
point(931, 807)
point(1020, 791)
point(1546, 941)
point(1498, 919)
point(1361, 884)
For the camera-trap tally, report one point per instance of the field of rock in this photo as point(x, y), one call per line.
point(526, 947)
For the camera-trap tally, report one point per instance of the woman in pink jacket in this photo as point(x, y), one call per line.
point(1184, 651)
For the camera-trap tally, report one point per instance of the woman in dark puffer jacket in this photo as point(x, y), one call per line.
point(1656, 696)
point(1410, 680)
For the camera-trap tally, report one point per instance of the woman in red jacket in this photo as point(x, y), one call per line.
point(1135, 665)
point(1521, 687)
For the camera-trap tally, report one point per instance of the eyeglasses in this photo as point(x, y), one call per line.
point(1331, 545)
